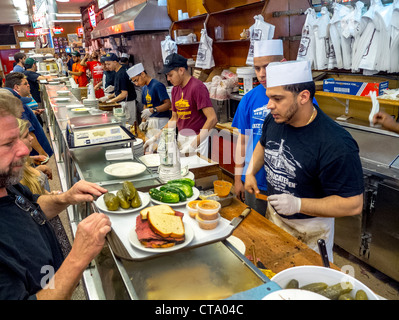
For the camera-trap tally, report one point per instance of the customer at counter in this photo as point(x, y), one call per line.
point(33, 78)
point(18, 85)
point(19, 59)
point(155, 100)
point(249, 117)
point(314, 173)
point(192, 110)
point(31, 261)
point(387, 121)
point(124, 91)
point(78, 71)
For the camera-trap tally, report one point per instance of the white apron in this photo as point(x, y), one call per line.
point(185, 140)
point(130, 111)
point(306, 230)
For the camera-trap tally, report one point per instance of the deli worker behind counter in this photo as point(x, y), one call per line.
point(155, 100)
point(192, 109)
point(313, 169)
point(78, 71)
point(124, 91)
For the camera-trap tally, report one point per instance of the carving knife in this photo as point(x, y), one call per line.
point(237, 220)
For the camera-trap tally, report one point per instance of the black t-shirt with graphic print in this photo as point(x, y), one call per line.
point(314, 161)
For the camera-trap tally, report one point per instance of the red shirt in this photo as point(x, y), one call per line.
point(187, 102)
point(96, 70)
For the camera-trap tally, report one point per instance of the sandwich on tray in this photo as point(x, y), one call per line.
point(160, 227)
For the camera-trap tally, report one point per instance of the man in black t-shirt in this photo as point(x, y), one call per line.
point(124, 90)
point(31, 263)
point(33, 79)
point(313, 167)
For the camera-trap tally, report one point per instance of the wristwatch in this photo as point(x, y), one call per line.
point(154, 109)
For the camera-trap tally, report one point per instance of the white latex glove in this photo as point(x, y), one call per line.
point(103, 99)
point(143, 126)
point(285, 204)
point(145, 114)
point(188, 148)
point(149, 143)
point(109, 89)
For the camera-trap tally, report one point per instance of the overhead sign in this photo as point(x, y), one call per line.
point(92, 17)
point(58, 30)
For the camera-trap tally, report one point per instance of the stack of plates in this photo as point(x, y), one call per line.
point(138, 148)
point(90, 103)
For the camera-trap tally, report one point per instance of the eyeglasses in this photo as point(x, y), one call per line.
point(35, 212)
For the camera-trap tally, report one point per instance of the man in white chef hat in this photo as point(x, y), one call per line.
point(312, 164)
point(251, 112)
point(155, 100)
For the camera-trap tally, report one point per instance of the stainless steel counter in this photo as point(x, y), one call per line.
point(207, 272)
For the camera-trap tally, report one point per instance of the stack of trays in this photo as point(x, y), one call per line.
point(138, 149)
point(90, 103)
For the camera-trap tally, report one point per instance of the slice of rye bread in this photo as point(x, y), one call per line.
point(161, 208)
point(166, 225)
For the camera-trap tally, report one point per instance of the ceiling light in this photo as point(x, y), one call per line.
point(67, 20)
point(23, 17)
point(21, 4)
point(70, 15)
point(62, 0)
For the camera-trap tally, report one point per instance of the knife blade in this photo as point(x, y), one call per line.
point(237, 220)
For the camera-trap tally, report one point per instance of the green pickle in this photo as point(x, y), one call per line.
point(136, 202)
point(345, 296)
point(111, 201)
point(333, 292)
point(315, 287)
point(129, 190)
point(293, 284)
point(361, 295)
point(123, 202)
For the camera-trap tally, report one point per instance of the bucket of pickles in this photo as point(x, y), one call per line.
point(330, 283)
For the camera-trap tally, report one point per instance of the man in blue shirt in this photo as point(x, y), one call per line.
point(18, 85)
point(19, 58)
point(155, 99)
point(251, 112)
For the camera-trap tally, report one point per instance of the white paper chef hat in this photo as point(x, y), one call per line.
point(288, 72)
point(135, 70)
point(264, 48)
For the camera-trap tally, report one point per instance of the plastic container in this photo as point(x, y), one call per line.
point(222, 188)
point(311, 274)
point(208, 209)
point(208, 224)
point(192, 208)
point(247, 80)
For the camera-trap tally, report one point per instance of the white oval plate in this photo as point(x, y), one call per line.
point(195, 196)
point(125, 169)
point(188, 231)
point(80, 110)
point(145, 200)
point(237, 243)
point(62, 99)
point(63, 92)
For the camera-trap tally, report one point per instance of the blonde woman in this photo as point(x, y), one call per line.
point(36, 179)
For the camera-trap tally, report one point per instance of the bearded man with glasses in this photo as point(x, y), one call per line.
point(29, 249)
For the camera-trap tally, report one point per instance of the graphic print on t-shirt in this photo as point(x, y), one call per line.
point(182, 108)
point(259, 116)
point(280, 166)
point(148, 100)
